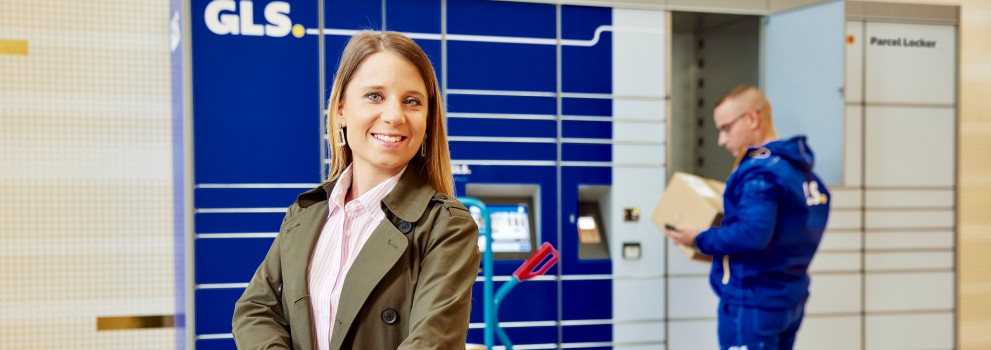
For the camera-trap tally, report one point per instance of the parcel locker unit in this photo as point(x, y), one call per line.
point(571, 129)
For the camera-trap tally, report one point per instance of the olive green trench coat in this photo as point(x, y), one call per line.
point(409, 286)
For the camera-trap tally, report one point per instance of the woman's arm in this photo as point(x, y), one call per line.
point(442, 301)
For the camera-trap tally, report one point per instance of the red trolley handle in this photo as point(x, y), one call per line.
point(529, 269)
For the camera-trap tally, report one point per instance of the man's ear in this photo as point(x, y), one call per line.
point(754, 119)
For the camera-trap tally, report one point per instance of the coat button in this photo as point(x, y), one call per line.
point(405, 226)
point(389, 316)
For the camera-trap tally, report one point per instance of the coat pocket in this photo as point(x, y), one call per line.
point(299, 322)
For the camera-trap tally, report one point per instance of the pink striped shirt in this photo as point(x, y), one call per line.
point(346, 231)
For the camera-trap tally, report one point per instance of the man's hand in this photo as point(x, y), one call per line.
point(682, 235)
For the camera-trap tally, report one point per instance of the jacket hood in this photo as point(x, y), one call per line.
point(795, 150)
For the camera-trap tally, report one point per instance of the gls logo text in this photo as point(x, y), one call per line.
point(225, 17)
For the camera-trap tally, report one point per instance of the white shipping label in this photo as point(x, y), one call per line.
point(699, 186)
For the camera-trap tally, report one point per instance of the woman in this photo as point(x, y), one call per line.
point(380, 256)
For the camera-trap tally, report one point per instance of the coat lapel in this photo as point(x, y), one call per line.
point(382, 250)
point(300, 238)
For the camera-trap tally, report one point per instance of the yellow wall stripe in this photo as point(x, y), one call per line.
point(13, 47)
point(134, 322)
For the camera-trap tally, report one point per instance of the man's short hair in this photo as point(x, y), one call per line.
point(751, 97)
point(736, 92)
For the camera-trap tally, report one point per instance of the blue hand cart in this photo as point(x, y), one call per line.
point(536, 265)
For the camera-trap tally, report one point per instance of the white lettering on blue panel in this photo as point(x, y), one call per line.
point(229, 17)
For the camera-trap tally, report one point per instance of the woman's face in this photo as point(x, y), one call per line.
point(385, 112)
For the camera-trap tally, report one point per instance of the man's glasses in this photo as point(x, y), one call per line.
point(726, 127)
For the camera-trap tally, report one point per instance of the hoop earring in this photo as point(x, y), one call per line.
point(340, 137)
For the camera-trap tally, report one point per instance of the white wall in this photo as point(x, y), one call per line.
point(85, 174)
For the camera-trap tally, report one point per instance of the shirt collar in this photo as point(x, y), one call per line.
point(369, 198)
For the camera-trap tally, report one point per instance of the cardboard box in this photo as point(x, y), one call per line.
point(691, 201)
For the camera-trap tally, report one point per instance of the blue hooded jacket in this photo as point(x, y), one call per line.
point(775, 214)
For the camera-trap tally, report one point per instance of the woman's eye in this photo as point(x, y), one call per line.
point(374, 96)
point(412, 102)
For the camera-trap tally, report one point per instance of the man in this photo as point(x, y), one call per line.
point(775, 214)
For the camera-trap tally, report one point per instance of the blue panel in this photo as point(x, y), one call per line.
point(478, 17)
point(544, 176)
point(574, 176)
point(587, 107)
point(215, 309)
point(413, 16)
point(583, 70)
point(588, 334)
point(580, 22)
point(503, 150)
point(229, 260)
point(432, 49)
point(501, 104)
point(588, 300)
point(583, 152)
point(530, 301)
point(586, 69)
point(514, 67)
point(519, 335)
point(501, 127)
point(333, 48)
point(460, 183)
point(215, 344)
point(238, 222)
point(586, 129)
point(349, 14)
point(571, 179)
point(246, 197)
point(256, 101)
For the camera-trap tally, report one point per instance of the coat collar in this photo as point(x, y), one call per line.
point(408, 200)
point(411, 196)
